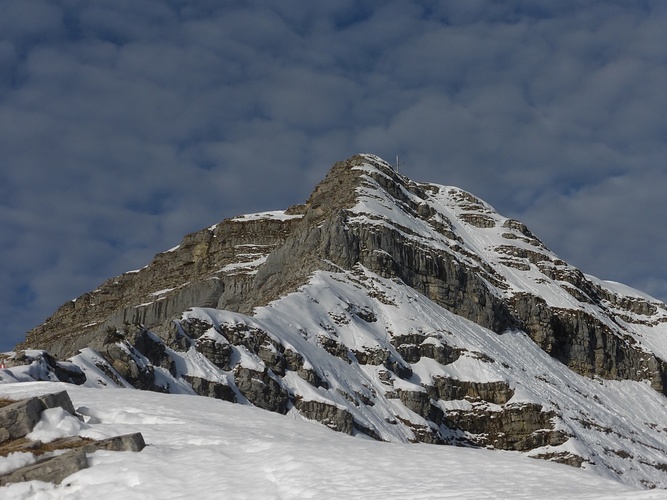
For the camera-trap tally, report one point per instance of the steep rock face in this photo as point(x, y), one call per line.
point(404, 311)
point(519, 427)
point(211, 267)
point(398, 228)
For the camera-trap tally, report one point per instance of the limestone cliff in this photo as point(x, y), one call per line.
point(212, 266)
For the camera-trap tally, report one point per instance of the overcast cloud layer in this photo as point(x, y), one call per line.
point(125, 124)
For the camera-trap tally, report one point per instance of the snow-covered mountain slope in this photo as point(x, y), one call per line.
point(207, 449)
point(351, 327)
point(517, 271)
point(383, 307)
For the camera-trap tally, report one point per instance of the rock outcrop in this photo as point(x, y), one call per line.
point(18, 419)
point(210, 268)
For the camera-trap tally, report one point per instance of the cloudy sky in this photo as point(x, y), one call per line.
point(125, 124)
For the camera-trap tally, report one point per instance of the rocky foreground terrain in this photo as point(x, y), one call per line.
point(57, 458)
point(404, 311)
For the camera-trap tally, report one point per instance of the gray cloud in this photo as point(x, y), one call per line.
point(126, 124)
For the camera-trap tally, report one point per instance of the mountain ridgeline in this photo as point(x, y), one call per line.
point(405, 311)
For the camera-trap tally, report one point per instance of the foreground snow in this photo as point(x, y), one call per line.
point(205, 448)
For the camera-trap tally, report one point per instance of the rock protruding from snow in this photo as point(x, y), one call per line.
point(19, 423)
point(51, 469)
point(18, 419)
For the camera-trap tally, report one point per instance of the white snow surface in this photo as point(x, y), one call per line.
point(274, 214)
point(56, 423)
point(15, 461)
point(208, 449)
point(249, 267)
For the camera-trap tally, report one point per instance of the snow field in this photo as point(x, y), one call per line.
point(208, 449)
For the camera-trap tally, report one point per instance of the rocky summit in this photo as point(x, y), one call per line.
point(401, 310)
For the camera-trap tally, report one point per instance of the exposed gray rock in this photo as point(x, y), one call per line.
point(211, 389)
point(517, 427)
point(204, 293)
point(70, 373)
point(18, 419)
point(151, 347)
point(294, 362)
point(372, 356)
point(449, 389)
point(50, 469)
point(57, 400)
point(55, 468)
point(563, 457)
point(428, 434)
point(272, 357)
point(241, 334)
point(478, 220)
point(412, 348)
point(261, 389)
point(45, 362)
point(108, 370)
point(218, 352)
point(587, 345)
point(194, 328)
point(188, 276)
point(399, 367)
point(334, 347)
point(127, 442)
point(421, 404)
point(442, 353)
point(129, 364)
point(338, 419)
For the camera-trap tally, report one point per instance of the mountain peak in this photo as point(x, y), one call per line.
point(402, 310)
point(339, 189)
